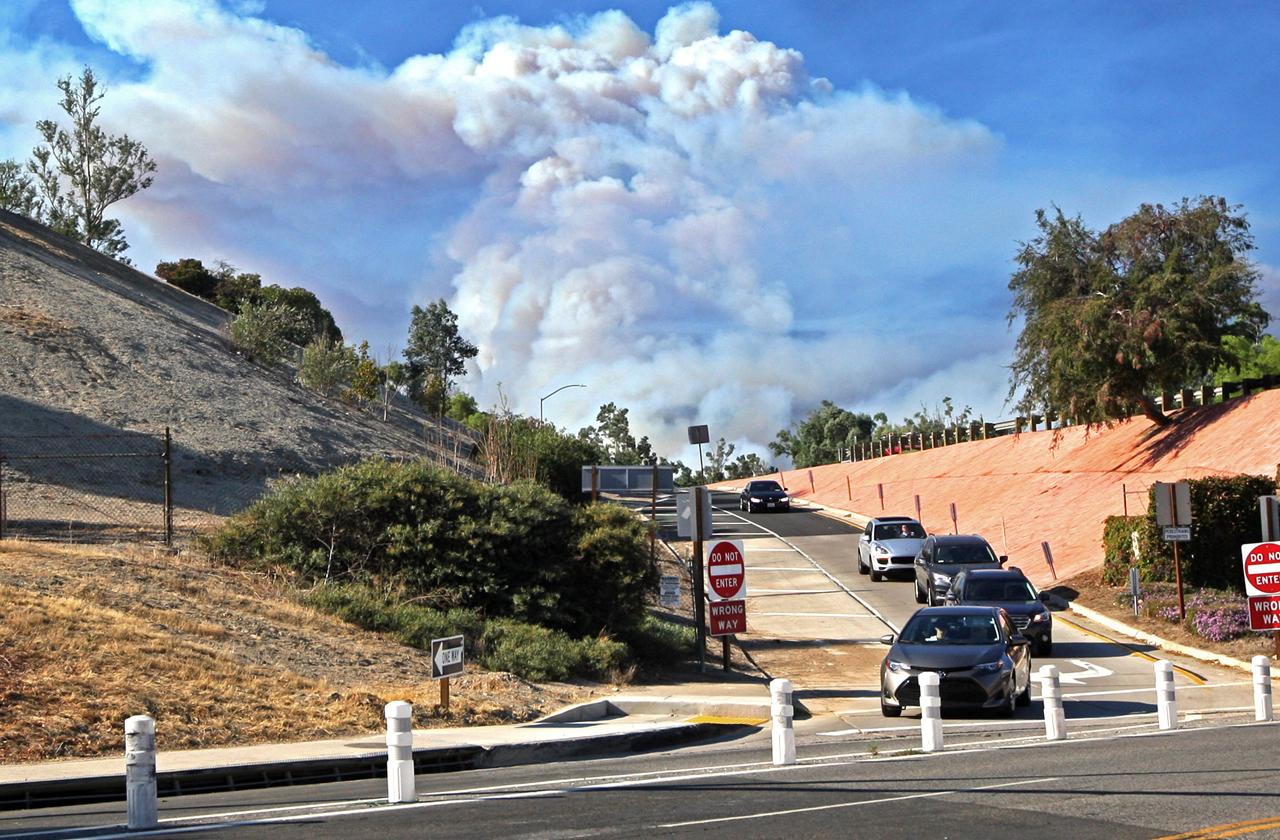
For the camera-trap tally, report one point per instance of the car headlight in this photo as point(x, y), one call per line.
point(895, 666)
point(989, 667)
point(1039, 617)
point(940, 578)
point(784, 498)
point(754, 500)
point(880, 551)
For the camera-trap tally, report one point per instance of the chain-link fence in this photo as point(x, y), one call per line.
point(86, 488)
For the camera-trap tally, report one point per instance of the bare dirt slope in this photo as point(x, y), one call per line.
point(91, 635)
point(89, 346)
point(1020, 490)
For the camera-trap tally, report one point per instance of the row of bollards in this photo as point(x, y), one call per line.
point(140, 763)
point(1055, 723)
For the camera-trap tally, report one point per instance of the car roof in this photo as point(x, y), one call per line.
point(891, 519)
point(958, 539)
point(995, 574)
point(957, 610)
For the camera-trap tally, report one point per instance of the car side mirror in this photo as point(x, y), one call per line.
point(1045, 598)
point(887, 639)
point(1003, 558)
point(1019, 639)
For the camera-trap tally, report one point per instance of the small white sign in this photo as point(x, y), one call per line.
point(669, 590)
point(1176, 533)
point(685, 515)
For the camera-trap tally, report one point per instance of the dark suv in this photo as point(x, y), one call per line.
point(1009, 590)
point(943, 556)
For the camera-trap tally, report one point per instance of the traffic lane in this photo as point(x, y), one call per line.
point(1114, 785)
point(796, 522)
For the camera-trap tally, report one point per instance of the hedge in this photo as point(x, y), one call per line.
point(1224, 516)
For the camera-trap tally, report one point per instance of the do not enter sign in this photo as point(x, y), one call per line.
point(726, 570)
point(1261, 568)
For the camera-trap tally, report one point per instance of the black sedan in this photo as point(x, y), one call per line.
point(981, 660)
point(1010, 590)
point(763, 494)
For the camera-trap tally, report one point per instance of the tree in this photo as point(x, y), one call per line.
point(327, 365)
point(366, 378)
point(613, 438)
point(190, 275)
point(746, 466)
point(261, 332)
point(436, 353)
point(17, 189)
point(313, 319)
point(1252, 359)
point(1144, 306)
point(80, 171)
point(818, 438)
point(393, 377)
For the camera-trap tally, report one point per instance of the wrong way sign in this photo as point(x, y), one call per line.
point(726, 570)
point(1261, 562)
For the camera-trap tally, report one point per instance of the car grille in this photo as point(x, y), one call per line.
point(1020, 621)
point(954, 690)
point(906, 560)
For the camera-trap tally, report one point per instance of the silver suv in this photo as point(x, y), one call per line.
point(889, 544)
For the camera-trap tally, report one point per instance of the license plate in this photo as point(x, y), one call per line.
point(771, 504)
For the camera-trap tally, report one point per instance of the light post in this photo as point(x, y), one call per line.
point(552, 394)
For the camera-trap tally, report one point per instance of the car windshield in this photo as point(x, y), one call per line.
point(999, 590)
point(963, 553)
point(950, 630)
point(899, 531)
point(762, 486)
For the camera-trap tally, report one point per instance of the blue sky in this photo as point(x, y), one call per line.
point(706, 227)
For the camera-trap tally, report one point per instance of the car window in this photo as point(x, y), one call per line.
point(900, 531)
point(762, 486)
point(964, 553)
point(938, 629)
point(1019, 591)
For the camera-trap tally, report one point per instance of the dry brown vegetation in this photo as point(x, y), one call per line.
point(92, 635)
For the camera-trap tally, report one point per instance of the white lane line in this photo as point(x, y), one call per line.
point(874, 612)
point(858, 804)
point(812, 615)
point(780, 568)
point(751, 549)
point(755, 590)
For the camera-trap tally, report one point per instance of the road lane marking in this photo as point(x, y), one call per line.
point(1191, 675)
point(780, 568)
point(1234, 829)
point(874, 612)
point(812, 615)
point(1089, 671)
point(858, 804)
point(755, 590)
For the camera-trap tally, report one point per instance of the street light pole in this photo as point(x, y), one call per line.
point(552, 394)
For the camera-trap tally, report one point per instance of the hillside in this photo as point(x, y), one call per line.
point(89, 346)
point(1020, 490)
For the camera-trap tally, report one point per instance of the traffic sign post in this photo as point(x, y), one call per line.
point(1261, 565)
point(726, 573)
point(447, 660)
point(1173, 509)
point(728, 617)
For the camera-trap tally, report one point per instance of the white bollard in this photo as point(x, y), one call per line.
point(400, 781)
point(1262, 710)
point(1055, 721)
point(930, 712)
point(1166, 699)
point(140, 771)
point(783, 712)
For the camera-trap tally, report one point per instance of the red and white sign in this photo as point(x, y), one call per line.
point(1264, 613)
point(727, 617)
point(1261, 568)
point(726, 570)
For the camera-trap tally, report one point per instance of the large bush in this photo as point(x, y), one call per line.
point(1224, 516)
point(516, 551)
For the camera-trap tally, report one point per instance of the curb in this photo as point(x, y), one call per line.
point(96, 789)
point(1163, 644)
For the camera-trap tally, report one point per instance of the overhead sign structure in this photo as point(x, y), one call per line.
point(727, 617)
point(446, 657)
point(1261, 563)
point(726, 570)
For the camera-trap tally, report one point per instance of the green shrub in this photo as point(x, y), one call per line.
point(535, 653)
point(1117, 543)
point(658, 643)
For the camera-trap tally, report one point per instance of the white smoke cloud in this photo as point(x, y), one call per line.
point(689, 223)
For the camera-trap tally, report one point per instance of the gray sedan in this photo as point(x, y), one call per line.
point(981, 660)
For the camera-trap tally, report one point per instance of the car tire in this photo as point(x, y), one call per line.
point(890, 711)
point(1006, 709)
point(1024, 699)
point(876, 577)
point(919, 593)
point(1045, 648)
point(862, 567)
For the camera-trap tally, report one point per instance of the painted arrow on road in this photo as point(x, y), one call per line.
point(1089, 671)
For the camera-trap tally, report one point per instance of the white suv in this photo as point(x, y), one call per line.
point(889, 544)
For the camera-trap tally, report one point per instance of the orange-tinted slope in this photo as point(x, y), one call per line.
point(1018, 490)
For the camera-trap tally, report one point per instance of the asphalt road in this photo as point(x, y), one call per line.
point(1123, 783)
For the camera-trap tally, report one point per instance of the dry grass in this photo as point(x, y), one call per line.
point(219, 656)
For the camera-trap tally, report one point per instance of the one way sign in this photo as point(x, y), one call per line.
point(446, 657)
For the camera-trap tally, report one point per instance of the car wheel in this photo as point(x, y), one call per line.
point(876, 577)
point(1024, 699)
point(1010, 703)
point(1045, 648)
point(919, 593)
point(890, 711)
point(929, 598)
point(862, 567)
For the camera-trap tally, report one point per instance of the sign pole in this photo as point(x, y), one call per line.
point(653, 519)
point(1177, 563)
point(444, 695)
point(699, 610)
point(724, 653)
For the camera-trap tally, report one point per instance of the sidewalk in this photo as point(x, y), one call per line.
point(642, 718)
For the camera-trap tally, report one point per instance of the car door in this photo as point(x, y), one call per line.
point(1020, 654)
point(864, 544)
